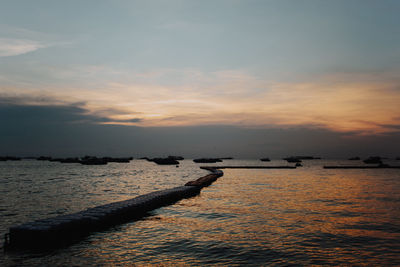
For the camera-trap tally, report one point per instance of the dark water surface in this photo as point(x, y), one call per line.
point(305, 216)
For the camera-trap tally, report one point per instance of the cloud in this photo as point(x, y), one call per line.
point(16, 41)
point(364, 106)
point(14, 47)
point(116, 121)
point(50, 111)
point(363, 103)
point(45, 126)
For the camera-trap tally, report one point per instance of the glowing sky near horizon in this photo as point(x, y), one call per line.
point(320, 64)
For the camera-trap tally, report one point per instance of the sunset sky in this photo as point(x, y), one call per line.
point(330, 68)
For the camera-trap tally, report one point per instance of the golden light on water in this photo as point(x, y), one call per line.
point(265, 215)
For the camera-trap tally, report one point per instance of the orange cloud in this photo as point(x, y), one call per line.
point(361, 103)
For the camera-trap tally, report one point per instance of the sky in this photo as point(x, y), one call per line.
point(244, 78)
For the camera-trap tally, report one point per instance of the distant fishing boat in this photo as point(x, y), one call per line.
point(373, 160)
point(292, 159)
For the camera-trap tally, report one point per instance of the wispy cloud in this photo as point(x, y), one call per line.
point(16, 41)
point(15, 47)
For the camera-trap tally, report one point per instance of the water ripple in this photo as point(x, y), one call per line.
point(308, 216)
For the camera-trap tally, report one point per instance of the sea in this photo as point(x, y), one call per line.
point(253, 217)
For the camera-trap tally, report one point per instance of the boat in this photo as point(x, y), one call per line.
point(373, 160)
point(292, 159)
point(207, 160)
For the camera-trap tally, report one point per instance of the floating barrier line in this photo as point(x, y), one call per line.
point(64, 229)
point(362, 167)
point(247, 167)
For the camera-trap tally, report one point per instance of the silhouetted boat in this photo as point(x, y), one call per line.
point(354, 158)
point(146, 158)
point(373, 160)
point(118, 160)
point(307, 157)
point(93, 161)
point(176, 157)
point(265, 159)
point(9, 158)
point(90, 160)
point(43, 158)
point(165, 161)
point(207, 160)
point(292, 159)
point(70, 160)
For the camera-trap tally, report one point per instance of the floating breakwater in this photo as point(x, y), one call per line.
point(362, 167)
point(247, 167)
point(64, 229)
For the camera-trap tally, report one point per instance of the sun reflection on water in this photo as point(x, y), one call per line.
point(307, 216)
point(271, 217)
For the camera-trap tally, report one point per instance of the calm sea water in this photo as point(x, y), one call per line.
point(305, 216)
